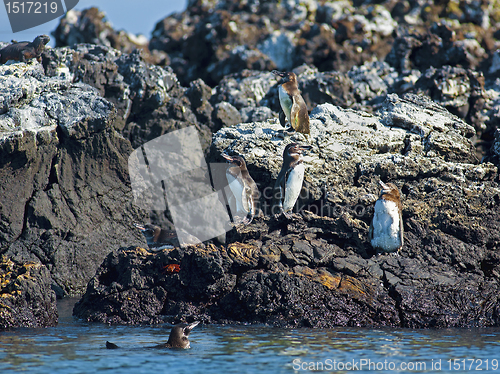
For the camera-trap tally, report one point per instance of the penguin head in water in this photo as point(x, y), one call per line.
point(179, 335)
point(286, 76)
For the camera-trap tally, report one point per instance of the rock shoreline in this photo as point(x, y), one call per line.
point(397, 91)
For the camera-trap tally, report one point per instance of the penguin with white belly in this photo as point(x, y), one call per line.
point(289, 182)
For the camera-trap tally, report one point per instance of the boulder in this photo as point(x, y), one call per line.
point(148, 99)
point(318, 269)
point(27, 297)
point(65, 192)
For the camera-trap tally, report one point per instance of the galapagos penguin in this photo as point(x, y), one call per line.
point(243, 187)
point(179, 337)
point(386, 229)
point(290, 178)
point(292, 103)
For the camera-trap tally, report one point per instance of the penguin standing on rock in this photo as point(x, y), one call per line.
point(386, 229)
point(243, 187)
point(289, 182)
point(293, 105)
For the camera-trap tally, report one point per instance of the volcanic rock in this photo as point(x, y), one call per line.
point(26, 294)
point(318, 269)
point(64, 176)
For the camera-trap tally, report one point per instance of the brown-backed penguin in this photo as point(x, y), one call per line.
point(178, 337)
point(292, 103)
point(386, 229)
point(158, 238)
point(290, 178)
point(243, 187)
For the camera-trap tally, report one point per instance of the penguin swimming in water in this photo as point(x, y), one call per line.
point(178, 337)
point(243, 187)
point(386, 229)
point(158, 238)
point(293, 105)
point(289, 182)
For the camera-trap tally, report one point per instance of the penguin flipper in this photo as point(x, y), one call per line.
point(282, 117)
point(279, 188)
point(294, 115)
point(401, 231)
point(110, 345)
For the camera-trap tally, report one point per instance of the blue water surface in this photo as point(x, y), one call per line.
point(74, 346)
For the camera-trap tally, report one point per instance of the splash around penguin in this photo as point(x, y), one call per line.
point(178, 337)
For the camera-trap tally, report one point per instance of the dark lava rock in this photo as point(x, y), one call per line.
point(27, 299)
point(461, 91)
point(148, 99)
point(63, 176)
point(294, 274)
point(318, 268)
point(217, 38)
point(90, 26)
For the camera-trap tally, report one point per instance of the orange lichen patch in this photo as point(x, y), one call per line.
point(322, 276)
point(209, 248)
point(329, 280)
point(172, 268)
point(354, 287)
point(139, 250)
point(242, 252)
point(341, 282)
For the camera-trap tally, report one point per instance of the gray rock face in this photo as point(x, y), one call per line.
point(148, 99)
point(64, 176)
point(349, 144)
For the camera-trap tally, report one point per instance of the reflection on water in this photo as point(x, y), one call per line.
point(78, 347)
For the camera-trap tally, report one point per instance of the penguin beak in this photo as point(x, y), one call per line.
point(303, 148)
point(285, 77)
point(140, 227)
point(189, 327)
point(385, 187)
point(279, 73)
point(227, 157)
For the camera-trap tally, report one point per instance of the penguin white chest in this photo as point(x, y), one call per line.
point(386, 226)
point(236, 187)
point(293, 186)
point(286, 102)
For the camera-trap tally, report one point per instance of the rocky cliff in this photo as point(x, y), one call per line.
point(319, 269)
point(397, 91)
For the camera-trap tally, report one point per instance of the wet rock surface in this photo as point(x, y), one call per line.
point(406, 92)
point(27, 299)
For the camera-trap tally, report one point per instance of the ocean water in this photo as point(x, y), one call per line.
point(74, 346)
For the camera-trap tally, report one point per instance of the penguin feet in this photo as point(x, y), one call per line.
point(238, 220)
point(288, 215)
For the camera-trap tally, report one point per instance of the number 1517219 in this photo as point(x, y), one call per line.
point(33, 7)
